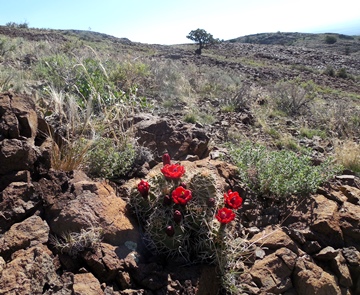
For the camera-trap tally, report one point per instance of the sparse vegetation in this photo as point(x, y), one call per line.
point(293, 97)
point(279, 173)
point(329, 39)
point(73, 243)
point(348, 155)
point(90, 89)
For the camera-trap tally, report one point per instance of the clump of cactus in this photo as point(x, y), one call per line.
point(178, 211)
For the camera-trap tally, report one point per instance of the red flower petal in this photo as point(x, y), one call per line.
point(173, 171)
point(181, 196)
point(233, 199)
point(225, 215)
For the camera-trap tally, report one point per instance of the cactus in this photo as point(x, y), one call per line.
point(172, 229)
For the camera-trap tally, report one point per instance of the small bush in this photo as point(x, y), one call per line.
point(329, 71)
point(342, 73)
point(279, 173)
point(109, 160)
point(310, 133)
point(190, 118)
point(330, 39)
point(293, 97)
point(74, 243)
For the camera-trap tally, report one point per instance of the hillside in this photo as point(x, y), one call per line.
point(130, 168)
point(337, 43)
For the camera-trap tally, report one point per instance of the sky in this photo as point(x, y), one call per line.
point(170, 21)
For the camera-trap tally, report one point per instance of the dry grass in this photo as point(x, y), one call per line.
point(348, 155)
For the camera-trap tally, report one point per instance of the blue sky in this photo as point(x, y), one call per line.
point(168, 22)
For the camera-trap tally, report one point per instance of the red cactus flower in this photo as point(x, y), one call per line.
point(170, 231)
point(181, 196)
point(173, 171)
point(177, 216)
point(233, 199)
point(225, 215)
point(143, 188)
point(166, 159)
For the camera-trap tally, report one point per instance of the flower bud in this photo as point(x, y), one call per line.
point(166, 159)
point(167, 200)
point(170, 231)
point(143, 188)
point(183, 184)
point(177, 216)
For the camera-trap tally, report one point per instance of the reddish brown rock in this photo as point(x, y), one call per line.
point(308, 278)
point(28, 233)
point(95, 205)
point(16, 155)
point(17, 201)
point(326, 222)
point(86, 284)
point(274, 238)
point(18, 118)
point(29, 272)
point(350, 224)
point(169, 135)
point(273, 273)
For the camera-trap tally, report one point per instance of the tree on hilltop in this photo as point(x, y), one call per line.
point(202, 37)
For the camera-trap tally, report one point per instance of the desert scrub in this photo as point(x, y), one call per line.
point(293, 97)
point(347, 153)
point(73, 243)
point(279, 173)
point(109, 159)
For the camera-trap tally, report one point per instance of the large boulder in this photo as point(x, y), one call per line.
point(170, 135)
point(93, 205)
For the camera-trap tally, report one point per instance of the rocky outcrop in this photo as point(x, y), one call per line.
point(64, 233)
point(169, 135)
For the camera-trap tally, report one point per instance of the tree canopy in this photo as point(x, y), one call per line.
point(202, 38)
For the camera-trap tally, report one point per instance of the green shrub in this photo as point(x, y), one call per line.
point(190, 118)
point(293, 97)
point(342, 73)
point(108, 160)
point(329, 71)
point(279, 173)
point(330, 39)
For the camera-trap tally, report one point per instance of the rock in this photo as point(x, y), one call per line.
point(16, 155)
point(350, 224)
point(169, 135)
point(274, 239)
point(273, 273)
point(308, 278)
point(328, 253)
point(95, 205)
point(326, 223)
point(28, 233)
point(2, 265)
point(17, 201)
point(340, 268)
point(18, 118)
point(86, 284)
point(352, 257)
point(150, 276)
point(29, 272)
point(104, 262)
point(352, 194)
